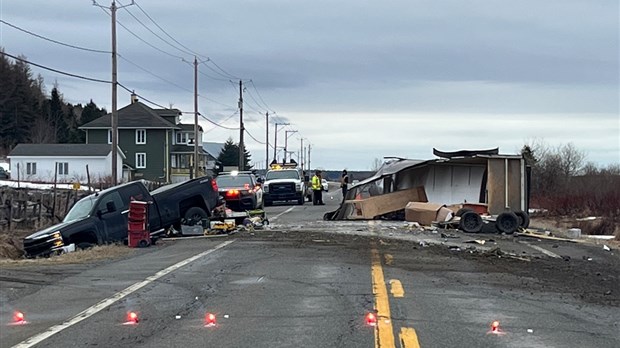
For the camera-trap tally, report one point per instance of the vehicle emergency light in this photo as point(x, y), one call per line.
point(232, 193)
point(371, 319)
point(210, 319)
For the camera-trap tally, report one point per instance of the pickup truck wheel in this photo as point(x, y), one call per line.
point(301, 200)
point(194, 216)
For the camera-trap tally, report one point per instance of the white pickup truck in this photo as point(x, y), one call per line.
point(284, 185)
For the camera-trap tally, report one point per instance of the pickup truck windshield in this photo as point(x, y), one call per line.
point(282, 174)
point(80, 210)
point(233, 181)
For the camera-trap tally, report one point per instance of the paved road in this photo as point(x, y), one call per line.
point(291, 287)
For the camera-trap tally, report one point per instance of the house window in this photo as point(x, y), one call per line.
point(31, 168)
point(140, 136)
point(181, 138)
point(117, 138)
point(141, 160)
point(63, 168)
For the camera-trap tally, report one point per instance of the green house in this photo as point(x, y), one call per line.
point(157, 147)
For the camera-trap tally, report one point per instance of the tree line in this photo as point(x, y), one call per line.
point(29, 115)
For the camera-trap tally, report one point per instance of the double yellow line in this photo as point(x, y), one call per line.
point(384, 331)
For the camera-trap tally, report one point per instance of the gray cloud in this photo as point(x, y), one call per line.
point(353, 64)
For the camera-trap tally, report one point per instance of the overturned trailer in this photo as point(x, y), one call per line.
point(498, 182)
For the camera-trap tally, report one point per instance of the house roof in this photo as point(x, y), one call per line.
point(212, 148)
point(188, 127)
point(63, 150)
point(135, 115)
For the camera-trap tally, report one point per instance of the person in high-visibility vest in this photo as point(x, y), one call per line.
point(317, 189)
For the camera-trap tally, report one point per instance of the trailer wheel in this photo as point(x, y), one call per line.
point(470, 222)
point(507, 222)
point(194, 215)
point(462, 211)
point(524, 218)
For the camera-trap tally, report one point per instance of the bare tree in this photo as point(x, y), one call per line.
point(376, 164)
point(571, 159)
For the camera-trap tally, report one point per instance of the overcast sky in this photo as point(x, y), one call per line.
point(358, 79)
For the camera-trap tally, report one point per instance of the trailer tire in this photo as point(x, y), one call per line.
point(524, 218)
point(507, 222)
point(470, 222)
point(194, 216)
point(462, 211)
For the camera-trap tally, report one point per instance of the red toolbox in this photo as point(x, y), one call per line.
point(138, 234)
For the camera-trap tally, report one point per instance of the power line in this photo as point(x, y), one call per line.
point(256, 140)
point(155, 75)
point(228, 76)
point(141, 97)
point(213, 78)
point(223, 121)
point(152, 32)
point(141, 39)
point(217, 124)
point(52, 40)
point(260, 97)
point(162, 29)
point(224, 71)
point(55, 70)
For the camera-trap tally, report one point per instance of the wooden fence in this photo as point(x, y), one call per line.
point(29, 208)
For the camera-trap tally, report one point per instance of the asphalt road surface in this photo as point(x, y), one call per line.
point(308, 283)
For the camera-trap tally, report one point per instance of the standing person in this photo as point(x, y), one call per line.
point(344, 183)
point(317, 189)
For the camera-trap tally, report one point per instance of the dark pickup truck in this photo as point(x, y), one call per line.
point(102, 217)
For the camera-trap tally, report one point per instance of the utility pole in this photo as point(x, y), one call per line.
point(266, 140)
point(241, 128)
point(195, 118)
point(301, 156)
point(309, 149)
point(114, 119)
point(286, 142)
point(275, 141)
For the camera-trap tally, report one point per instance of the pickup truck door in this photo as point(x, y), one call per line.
point(113, 217)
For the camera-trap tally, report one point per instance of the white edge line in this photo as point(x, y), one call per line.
point(545, 251)
point(110, 300)
point(282, 213)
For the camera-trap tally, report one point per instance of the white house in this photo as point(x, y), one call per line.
point(39, 162)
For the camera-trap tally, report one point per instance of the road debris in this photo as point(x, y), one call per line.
point(476, 241)
point(606, 248)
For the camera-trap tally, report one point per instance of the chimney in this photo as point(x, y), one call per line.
point(134, 97)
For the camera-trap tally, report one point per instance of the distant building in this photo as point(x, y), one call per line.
point(212, 152)
point(157, 147)
point(65, 162)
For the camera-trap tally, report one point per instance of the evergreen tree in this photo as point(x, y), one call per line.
point(229, 156)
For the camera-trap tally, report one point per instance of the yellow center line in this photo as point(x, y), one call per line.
point(397, 289)
point(408, 338)
point(384, 333)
